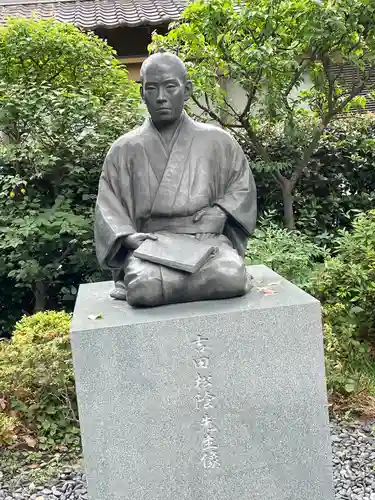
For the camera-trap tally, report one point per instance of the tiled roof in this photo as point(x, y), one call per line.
point(90, 14)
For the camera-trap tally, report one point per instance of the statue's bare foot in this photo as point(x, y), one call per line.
point(119, 292)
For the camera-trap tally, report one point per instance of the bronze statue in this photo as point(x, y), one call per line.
point(174, 176)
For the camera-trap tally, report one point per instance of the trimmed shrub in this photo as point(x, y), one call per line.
point(37, 393)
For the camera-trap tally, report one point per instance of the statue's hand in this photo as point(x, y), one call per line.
point(133, 241)
point(215, 211)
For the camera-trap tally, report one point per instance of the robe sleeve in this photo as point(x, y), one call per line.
point(239, 201)
point(113, 213)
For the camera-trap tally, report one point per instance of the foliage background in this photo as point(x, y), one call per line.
point(338, 183)
point(63, 100)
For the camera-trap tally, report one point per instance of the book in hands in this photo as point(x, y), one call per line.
point(176, 251)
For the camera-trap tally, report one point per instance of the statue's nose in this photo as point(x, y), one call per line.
point(161, 96)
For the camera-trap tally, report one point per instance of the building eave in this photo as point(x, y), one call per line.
point(91, 14)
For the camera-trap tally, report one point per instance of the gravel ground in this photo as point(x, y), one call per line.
point(353, 447)
point(353, 470)
point(69, 486)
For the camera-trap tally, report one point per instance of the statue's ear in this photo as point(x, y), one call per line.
point(188, 90)
point(141, 92)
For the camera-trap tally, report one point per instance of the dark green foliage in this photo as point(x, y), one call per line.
point(291, 254)
point(63, 100)
point(339, 183)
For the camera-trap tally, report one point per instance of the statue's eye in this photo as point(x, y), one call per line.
point(171, 86)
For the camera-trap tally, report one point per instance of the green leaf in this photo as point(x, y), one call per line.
point(350, 387)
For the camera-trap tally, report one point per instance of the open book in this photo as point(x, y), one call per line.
point(177, 251)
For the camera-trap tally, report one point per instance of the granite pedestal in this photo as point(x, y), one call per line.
point(217, 400)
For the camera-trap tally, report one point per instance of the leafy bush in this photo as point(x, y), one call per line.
point(346, 287)
point(349, 366)
point(339, 182)
point(37, 394)
point(35, 52)
point(63, 100)
point(349, 276)
point(290, 254)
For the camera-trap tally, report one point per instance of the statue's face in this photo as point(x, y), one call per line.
point(164, 92)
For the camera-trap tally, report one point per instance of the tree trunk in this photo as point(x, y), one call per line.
point(288, 205)
point(40, 296)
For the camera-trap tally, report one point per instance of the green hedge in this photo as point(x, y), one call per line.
point(37, 394)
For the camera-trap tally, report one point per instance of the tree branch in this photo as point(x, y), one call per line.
point(308, 151)
point(207, 109)
point(251, 95)
point(234, 111)
point(356, 90)
point(228, 58)
point(331, 84)
point(56, 74)
point(297, 74)
point(65, 253)
point(332, 111)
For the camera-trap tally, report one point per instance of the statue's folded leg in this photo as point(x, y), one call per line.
point(223, 276)
point(143, 283)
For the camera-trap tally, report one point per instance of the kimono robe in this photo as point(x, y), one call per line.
point(147, 186)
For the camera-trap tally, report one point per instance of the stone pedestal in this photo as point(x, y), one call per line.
point(217, 400)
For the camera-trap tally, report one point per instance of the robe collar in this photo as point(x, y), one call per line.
point(168, 146)
point(168, 166)
point(158, 152)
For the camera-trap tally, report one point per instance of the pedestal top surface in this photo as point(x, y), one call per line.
point(269, 291)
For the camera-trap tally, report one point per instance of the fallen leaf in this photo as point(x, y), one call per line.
point(30, 441)
point(34, 466)
point(95, 316)
point(62, 447)
point(268, 291)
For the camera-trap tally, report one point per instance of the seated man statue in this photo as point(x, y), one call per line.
point(174, 175)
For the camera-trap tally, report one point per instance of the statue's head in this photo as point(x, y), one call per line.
point(165, 87)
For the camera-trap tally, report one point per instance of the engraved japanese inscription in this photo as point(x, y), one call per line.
point(204, 404)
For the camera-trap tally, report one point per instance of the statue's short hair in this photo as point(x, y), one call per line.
point(166, 58)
